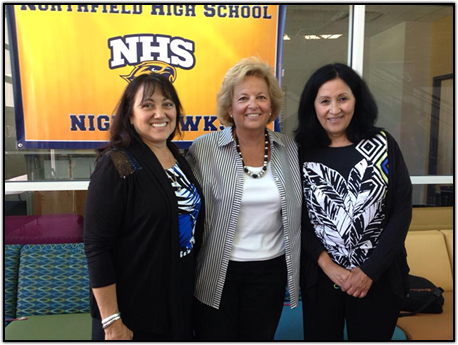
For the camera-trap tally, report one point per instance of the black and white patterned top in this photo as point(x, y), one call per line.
point(345, 191)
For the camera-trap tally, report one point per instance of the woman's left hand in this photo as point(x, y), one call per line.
point(357, 283)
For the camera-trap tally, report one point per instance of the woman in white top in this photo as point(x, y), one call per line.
point(251, 243)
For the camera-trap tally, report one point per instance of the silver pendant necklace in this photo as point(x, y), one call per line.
point(171, 174)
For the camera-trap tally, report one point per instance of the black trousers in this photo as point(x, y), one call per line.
point(251, 303)
point(373, 317)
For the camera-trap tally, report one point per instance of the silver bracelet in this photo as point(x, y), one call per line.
point(110, 319)
point(107, 324)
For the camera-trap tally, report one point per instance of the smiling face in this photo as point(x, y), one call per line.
point(251, 106)
point(335, 106)
point(154, 118)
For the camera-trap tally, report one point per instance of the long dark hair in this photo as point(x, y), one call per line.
point(310, 133)
point(122, 134)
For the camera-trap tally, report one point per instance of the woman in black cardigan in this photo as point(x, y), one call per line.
point(143, 221)
point(356, 212)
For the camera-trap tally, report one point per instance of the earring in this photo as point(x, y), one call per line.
point(230, 115)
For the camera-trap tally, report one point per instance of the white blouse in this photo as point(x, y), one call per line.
point(259, 231)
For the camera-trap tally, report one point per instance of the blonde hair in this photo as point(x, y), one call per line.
point(252, 66)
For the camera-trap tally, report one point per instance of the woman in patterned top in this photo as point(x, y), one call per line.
point(356, 211)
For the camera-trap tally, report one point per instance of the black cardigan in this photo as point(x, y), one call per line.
point(131, 238)
point(390, 253)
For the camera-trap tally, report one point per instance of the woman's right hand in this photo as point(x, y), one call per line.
point(336, 273)
point(118, 331)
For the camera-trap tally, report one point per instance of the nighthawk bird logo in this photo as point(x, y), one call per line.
point(152, 66)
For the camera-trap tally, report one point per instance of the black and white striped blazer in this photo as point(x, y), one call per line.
point(218, 168)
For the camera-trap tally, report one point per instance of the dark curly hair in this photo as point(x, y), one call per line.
point(310, 133)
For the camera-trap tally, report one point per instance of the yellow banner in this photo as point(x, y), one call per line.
point(71, 63)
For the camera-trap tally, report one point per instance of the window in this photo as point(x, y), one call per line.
point(408, 65)
point(314, 36)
